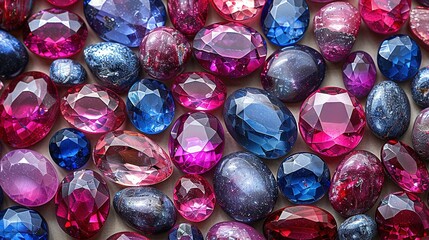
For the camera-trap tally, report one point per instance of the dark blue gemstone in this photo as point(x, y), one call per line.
point(21, 223)
point(420, 88)
point(13, 56)
point(69, 148)
point(358, 227)
point(185, 231)
point(67, 72)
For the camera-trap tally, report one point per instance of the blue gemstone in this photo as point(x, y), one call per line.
point(303, 178)
point(358, 227)
point(284, 22)
point(399, 58)
point(150, 106)
point(125, 22)
point(185, 231)
point(13, 56)
point(67, 72)
point(260, 123)
point(420, 87)
point(69, 148)
point(21, 223)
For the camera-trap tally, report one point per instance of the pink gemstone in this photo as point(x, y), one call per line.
point(93, 108)
point(62, 3)
point(28, 109)
point(384, 16)
point(332, 121)
point(359, 73)
point(131, 159)
point(194, 198)
point(196, 142)
point(82, 204)
point(419, 19)
point(188, 16)
point(238, 10)
point(199, 91)
point(127, 236)
point(28, 178)
point(233, 231)
point(55, 33)
point(405, 167)
point(229, 49)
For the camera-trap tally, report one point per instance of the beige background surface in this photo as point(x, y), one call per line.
point(366, 41)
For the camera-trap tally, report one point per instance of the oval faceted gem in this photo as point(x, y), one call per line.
point(93, 108)
point(82, 204)
point(131, 159)
point(127, 236)
point(28, 109)
point(14, 13)
point(22, 223)
point(419, 18)
point(300, 222)
point(238, 10)
point(188, 16)
point(196, 142)
point(332, 121)
point(229, 49)
point(359, 73)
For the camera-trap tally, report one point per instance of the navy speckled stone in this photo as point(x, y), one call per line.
point(358, 227)
point(185, 231)
point(387, 110)
point(13, 56)
point(244, 187)
point(420, 135)
point(420, 88)
point(146, 209)
point(67, 72)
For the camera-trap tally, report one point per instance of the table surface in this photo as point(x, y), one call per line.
point(366, 41)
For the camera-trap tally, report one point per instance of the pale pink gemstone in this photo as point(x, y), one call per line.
point(238, 10)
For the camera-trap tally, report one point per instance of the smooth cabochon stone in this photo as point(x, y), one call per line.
point(15, 12)
point(13, 56)
point(358, 227)
point(233, 231)
point(420, 88)
point(67, 72)
point(420, 135)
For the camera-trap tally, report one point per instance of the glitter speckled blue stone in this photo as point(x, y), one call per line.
point(21, 223)
point(358, 227)
point(13, 56)
point(67, 72)
point(399, 58)
point(185, 231)
point(420, 88)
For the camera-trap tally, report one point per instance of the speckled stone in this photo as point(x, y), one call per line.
point(247, 195)
point(67, 72)
point(420, 88)
point(358, 227)
point(185, 231)
point(233, 231)
point(420, 135)
point(13, 56)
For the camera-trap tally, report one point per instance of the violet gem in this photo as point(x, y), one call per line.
point(359, 73)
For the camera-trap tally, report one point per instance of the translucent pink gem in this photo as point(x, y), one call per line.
point(131, 159)
point(93, 108)
point(199, 91)
point(332, 121)
point(28, 178)
point(196, 142)
point(194, 198)
point(419, 19)
point(238, 10)
point(359, 73)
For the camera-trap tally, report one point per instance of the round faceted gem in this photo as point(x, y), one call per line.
point(55, 33)
point(332, 121)
point(419, 18)
point(359, 73)
point(238, 10)
point(93, 108)
point(185, 231)
point(188, 16)
point(62, 3)
point(196, 142)
point(14, 13)
point(22, 223)
point(229, 49)
point(28, 178)
point(199, 91)
point(131, 159)
point(127, 236)
point(233, 231)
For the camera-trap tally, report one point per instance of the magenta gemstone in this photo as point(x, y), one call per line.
point(62, 3)
point(359, 73)
point(199, 91)
point(196, 142)
point(233, 231)
point(239, 10)
point(188, 16)
point(127, 236)
point(229, 49)
point(13, 13)
point(28, 109)
point(93, 108)
point(405, 167)
point(28, 178)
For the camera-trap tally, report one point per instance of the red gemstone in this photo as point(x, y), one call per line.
point(238, 10)
point(62, 3)
point(419, 19)
point(28, 109)
point(188, 16)
point(13, 13)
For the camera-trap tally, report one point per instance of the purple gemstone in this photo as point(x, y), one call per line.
point(233, 230)
point(359, 73)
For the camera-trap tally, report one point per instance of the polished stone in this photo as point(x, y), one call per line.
point(14, 13)
point(67, 72)
point(420, 88)
point(13, 56)
point(21, 223)
point(420, 134)
point(358, 227)
point(185, 231)
point(127, 236)
point(233, 231)
point(419, 17)
point(188, 16)
point(359, 73)
point(62, 3)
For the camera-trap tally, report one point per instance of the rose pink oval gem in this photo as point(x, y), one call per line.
point(131, 159)
point(28, 178)
point(238, 10)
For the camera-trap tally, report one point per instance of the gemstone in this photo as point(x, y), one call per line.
point(405, 167)
point(131, 159)
point(420, 88)
point(22, 223)
point(199, 91)
point(230, 50)
point(127, 236)
point(248, 194)
point(356, 184)
point(62, 3)
point(402, 215)
point(293, 73)
point(420, 135)
point(114, 65)
point(188, 16)
point(28, 109)
point(303, 178)
point(238, 10)
point(150, 106)
point(82, 204)
point(300, 222)
point(260, 123)
point(14, 13)
point(419, 17)
point(196, 142)
point(336, 27)
point(164, 53)
point(332, 121)
point(399, 58)
point(93, 109)
point(384, 16)
point(13, 56)
point(185, 231)
point(284, 22)
point(359, 73)
point(146, 209)
point(388, 110)
point(233, 231)
point(67, 72)
point(28, 178)
point(424, 2)
point(358, 227)
point(55, 33)
point(1, 197)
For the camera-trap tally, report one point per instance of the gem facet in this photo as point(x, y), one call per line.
point(358, 227)
point(420, 88)
point(127, 236)
point(419, 18)
point(14, 13)
point(185, 231)
point(238, 10)
point(67, 72)
point(359, 73)
point(22, 223)
point(13, 55)
point(420, 135)
point(233, 230)
point(188, 16)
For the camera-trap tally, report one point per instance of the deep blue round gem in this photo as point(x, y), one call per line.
point(399, 58)
point(185, 231)
point(303, 178)
point(21, 223)
point(67, 72)
point(69, 148)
